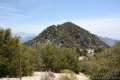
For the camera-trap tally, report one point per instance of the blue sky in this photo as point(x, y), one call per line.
point(101, 17)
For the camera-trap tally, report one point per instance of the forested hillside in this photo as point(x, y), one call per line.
point(68, 35)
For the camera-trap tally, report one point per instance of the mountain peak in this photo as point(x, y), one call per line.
point(70, 23)
point(69, 34)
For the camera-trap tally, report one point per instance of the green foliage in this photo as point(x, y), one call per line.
point(27, 60)
point(54, 58)
point(8, 48)
point(105, 65)
point(11, 52)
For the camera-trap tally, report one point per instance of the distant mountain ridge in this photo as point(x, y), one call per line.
point(24, 37)
point(68, 35)
point(111, 42)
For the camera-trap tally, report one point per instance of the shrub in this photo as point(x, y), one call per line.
point(12, 52)
point(54, 58)
point(105, 65)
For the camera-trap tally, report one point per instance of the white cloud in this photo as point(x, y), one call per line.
point(9, 12)
point(9, 9)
